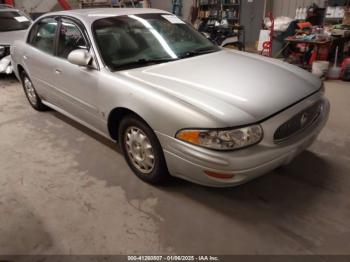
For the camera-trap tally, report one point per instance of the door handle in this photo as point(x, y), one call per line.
point(58, 72)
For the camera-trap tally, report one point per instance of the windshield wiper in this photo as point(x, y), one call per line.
point(199, 51)
point(143, 62)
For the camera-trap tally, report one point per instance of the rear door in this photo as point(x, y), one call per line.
point(39, 57)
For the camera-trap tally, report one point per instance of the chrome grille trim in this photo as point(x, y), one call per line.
point(300, 122)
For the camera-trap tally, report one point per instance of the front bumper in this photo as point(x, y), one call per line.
point(189, 162)
point(5, 65)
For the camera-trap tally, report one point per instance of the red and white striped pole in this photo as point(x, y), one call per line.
point(65, 5)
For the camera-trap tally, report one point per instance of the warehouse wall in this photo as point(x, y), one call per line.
point(30, 6)
point(161, 4)
point(166, 5)
point(41, 6)
point(288, 7)
point(252, 14)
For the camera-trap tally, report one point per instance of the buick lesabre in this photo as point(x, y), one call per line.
point(175, 103)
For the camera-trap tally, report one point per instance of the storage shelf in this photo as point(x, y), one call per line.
point(222, 10)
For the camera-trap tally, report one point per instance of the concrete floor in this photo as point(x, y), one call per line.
point(66, 190)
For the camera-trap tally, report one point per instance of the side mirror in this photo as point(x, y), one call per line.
point(80, 57)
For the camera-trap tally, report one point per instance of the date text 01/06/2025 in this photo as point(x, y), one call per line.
point(173, 258)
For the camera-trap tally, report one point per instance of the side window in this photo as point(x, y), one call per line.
point(42, 35)
point(70, 39)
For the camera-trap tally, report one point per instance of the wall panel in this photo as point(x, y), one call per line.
point(167, 5)
point(288, 7)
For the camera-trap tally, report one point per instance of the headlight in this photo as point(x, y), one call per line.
point(224, 140)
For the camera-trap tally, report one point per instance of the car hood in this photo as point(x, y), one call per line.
point(7, 38)
point(236, 87)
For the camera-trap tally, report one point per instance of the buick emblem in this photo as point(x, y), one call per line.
point(303, 119)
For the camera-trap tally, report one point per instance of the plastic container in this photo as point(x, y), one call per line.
point(334, 73)
point(320, 68)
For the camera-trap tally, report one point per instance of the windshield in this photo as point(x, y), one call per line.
point(13, 21)
point(139, 40)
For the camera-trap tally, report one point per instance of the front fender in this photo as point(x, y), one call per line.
point(16, 56)
point(163, 113)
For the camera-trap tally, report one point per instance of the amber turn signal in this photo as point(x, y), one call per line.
point(190, 136)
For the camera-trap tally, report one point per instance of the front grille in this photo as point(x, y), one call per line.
point(299, 122)
point(4, 52)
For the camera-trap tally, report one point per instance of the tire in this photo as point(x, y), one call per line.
point(142, 150)
point(31, 94)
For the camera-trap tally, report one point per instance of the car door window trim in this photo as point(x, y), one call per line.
point(75, 21)
point(85, 34)
point(34, 30)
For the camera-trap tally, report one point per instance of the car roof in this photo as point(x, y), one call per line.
point(112, 11)
point(7, 8)
point(93, 14)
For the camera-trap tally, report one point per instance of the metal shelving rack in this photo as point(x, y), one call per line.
point(219, 10)
point(231, 10)
point(220, 19)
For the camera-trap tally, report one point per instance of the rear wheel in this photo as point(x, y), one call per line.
point(142, 150)
point(31, 94)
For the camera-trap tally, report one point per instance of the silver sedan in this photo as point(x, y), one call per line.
point(176, 103)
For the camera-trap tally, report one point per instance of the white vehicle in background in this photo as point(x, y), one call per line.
point(13, 26)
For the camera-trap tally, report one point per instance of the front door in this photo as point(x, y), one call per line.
point(76, 86)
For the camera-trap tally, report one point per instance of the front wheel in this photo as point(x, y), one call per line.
point(142, 150)
point(31, 94)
